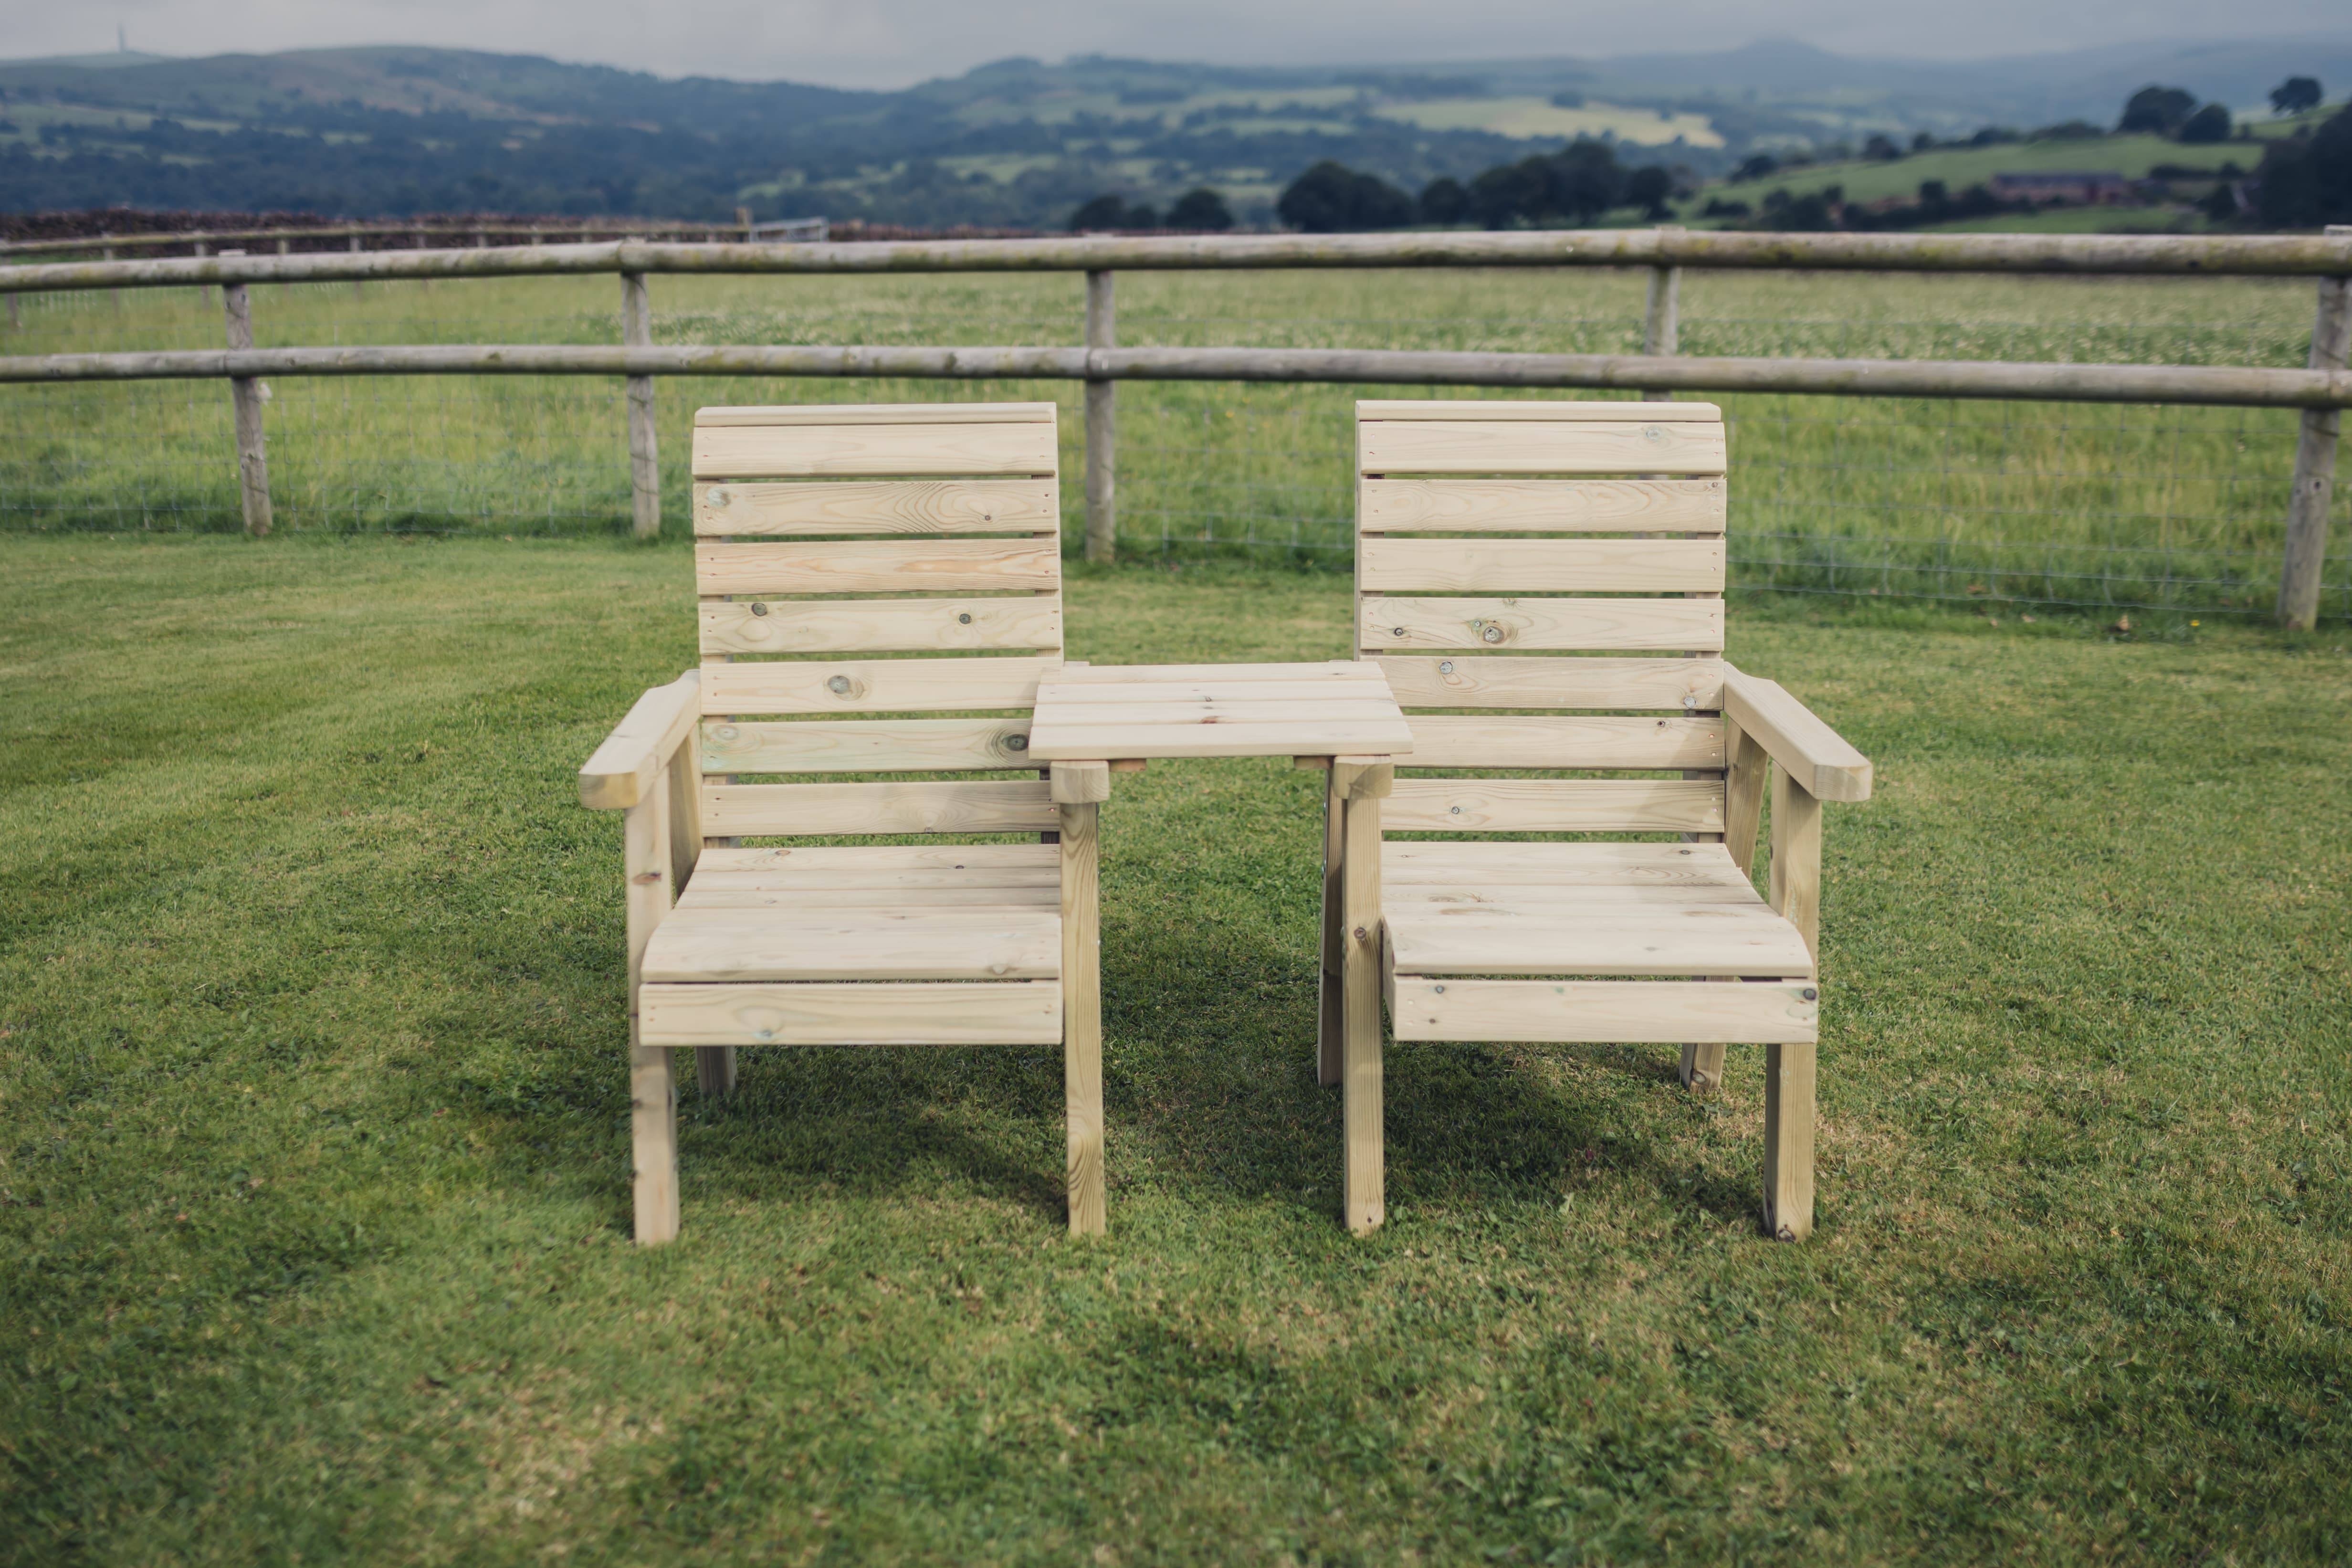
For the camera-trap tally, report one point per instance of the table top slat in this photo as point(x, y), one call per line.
point(1123, 712)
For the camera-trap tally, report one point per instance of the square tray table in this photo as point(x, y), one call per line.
point(1339, 715)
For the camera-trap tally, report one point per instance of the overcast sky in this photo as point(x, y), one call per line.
point(890, 43)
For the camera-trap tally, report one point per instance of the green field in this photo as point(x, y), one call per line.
point(1867, 180)
point(2106, 508)
point(313, 1145)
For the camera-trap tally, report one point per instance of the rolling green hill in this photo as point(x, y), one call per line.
point(402, 130)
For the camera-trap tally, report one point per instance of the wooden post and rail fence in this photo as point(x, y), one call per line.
point(2320, 391)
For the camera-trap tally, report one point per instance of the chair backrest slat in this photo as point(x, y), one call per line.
point(1603, 534)
point(909, 529)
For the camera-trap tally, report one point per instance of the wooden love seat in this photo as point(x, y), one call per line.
point(880, 593)
point(1542, 583)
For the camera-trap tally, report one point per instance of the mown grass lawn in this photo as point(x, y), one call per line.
point(313, 1160)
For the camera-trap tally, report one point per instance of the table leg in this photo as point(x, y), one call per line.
point(1332, 1030)
point(1365, 1162)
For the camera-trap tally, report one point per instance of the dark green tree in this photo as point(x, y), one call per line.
point(2210, 123)
point(1444, 200)
point(1102, 212)
point(1881, 148)
point(1201, 209)
point(1648, 189)
point(1331, 198)
point(2295, 94)
point(1511, 192)
point(2158, 110)
point(2305, 179)
point(1585, 180)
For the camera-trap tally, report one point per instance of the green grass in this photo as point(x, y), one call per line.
point(314, 1150)
point(2110, 507)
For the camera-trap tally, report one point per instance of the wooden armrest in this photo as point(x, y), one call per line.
point(641, 746)
point(1808, 750)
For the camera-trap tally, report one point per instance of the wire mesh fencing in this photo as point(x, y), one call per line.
point(2100, 507)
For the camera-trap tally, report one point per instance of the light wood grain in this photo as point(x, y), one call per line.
point(779, 451)
point(1390, 623)
point(1794, 887)
point(619, 772)
point(1788, 1090)
point(653, 1082)
point(1150, 701)
point(1787, 729)
point(1364, 1161)
point(1015, 1013)
point(759, 415)
point(1734, 939)
point(707, 943)
point(882, 626)
point(1588, 740)
point(1541, 506)
point(758, 811)
point(1668, 446)
point(1372, 710)
point(870, 745)
point(749, 508)
point(1599, 1011)
point(1049, 741)
point(844, 864)
point(1539, 410)
point(1079, 783)
point(879, 566)
point(1745, 771)
point(1539, 565)
point(1559, 865)
point(870, 686)
point(1556, 805)
point(1081, 961)
point(1331, 1032)
point(1175, 676)
point(1467, 681)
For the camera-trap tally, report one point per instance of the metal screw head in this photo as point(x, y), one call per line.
point(718, 499)
point(1439, 989)
point(1690, 701)
point(1445, 666)
point(763, 1034)
point(838, 686)
point(758, 609)
point(964, 619)
point(1396, 631)
point(1016, 743)
point(1492, 634)
point(1652, 434)
point(1812, 994)
point(1455, 809)
point(988, 517)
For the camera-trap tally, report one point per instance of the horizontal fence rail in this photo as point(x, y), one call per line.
point(2210, 385)
point(2319, 392)
point(2207, 255)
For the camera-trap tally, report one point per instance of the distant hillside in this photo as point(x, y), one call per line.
point(395, 130)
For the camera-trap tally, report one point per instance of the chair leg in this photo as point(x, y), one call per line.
point(714, 1070)
point(1082, 1083)
point(1332, 1031)
point(1365, 1164)
point(1702, 1069)
point(1789, 1142)
point(653, 1142)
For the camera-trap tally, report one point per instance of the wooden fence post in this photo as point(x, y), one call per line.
point(246, 395)
point(2315, 461)
point(1662, 315)
point(645, 468)
point(359, 289)
point(1102, 426)
point(113, 294)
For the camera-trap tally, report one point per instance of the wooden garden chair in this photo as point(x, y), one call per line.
point(1501, 546)
point(854, 563)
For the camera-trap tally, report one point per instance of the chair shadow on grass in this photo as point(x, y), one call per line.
point(1211, 1096)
